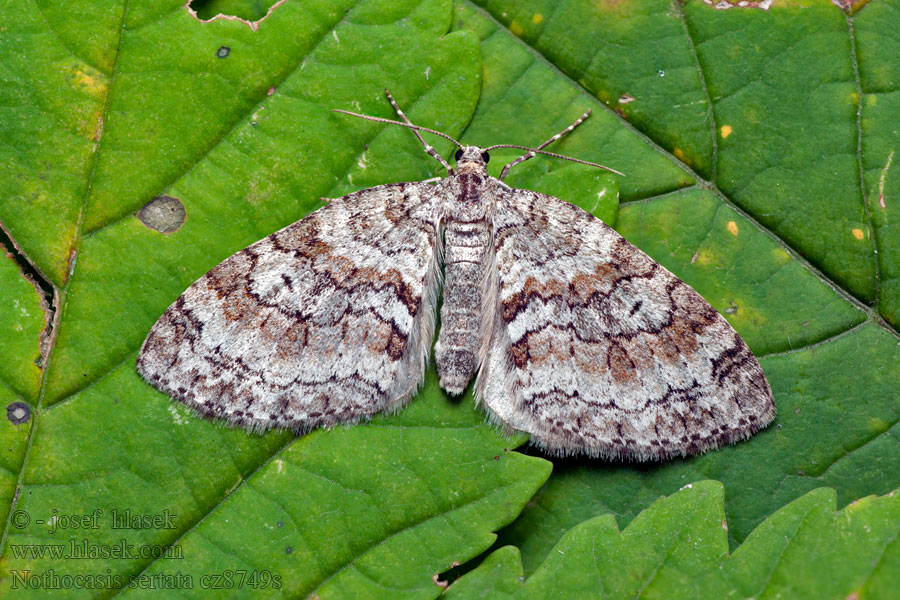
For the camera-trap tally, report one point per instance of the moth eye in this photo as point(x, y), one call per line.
point(485, 157)
point(459, 154)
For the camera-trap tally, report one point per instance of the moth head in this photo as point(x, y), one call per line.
point(471, 159)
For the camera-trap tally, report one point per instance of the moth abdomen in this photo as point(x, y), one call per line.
point(466, 248)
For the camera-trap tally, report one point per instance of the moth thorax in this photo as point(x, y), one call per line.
point(470, 198)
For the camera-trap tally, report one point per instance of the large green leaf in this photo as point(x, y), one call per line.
point(750, 140)
point(678, 548)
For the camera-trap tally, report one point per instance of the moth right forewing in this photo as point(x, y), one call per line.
point(599, 350)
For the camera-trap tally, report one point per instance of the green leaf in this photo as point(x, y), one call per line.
point(758, 152)
point(262, 161)
point(678, 548)
point(826, 347)
point(877, 38)
point(23, 317)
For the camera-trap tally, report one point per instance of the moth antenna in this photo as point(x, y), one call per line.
point(400, 123)
point(533, 151)
point(428, 147)
point(406, 123)
point(568, 129)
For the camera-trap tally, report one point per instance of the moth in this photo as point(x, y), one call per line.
point(572, 334)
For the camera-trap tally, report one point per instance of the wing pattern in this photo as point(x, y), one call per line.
point(326, 321)
point(598, 349)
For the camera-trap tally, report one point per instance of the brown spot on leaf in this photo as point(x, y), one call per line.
point(165, 214)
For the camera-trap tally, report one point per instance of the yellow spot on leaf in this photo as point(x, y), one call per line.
point(536, 19)
point(854, 98)
point(732, 228)
point(726, 131)
point(679, 154)
point(780, 256)
point(871, 99)
point(702, 257)
point(858, 233)
point(516, 28)
point(878, 425)
point(743, 314)
point(86, 79)
point(92, 85)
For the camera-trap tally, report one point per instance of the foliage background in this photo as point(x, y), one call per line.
point(758, 144)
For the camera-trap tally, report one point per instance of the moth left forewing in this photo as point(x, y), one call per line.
point(326, 321)
point(597, 349)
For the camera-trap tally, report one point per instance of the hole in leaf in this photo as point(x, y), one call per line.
point(44, 288)
point(249, 12)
